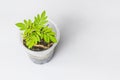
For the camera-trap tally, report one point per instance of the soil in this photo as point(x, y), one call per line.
point(40, 46)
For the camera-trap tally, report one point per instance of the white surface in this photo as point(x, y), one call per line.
point(89, 48)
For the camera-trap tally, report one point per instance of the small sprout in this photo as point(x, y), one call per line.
point(37, 30)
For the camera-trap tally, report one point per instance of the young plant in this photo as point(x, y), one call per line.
point(37, 31)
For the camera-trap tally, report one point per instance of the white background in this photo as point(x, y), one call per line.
point(90, 40)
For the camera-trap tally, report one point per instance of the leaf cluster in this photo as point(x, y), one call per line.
point(37, 30)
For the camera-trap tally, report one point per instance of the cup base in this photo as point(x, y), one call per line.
point(43, 61)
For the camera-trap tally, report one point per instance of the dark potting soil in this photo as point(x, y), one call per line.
point(40, 46)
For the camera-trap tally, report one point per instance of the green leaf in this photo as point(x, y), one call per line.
point(25, 21)
point(38, 38)
point(43, 14)
point(38, 33)
point(45, 28)
point(48, 39)
point(45, 18)
point(21, 26)
point(42, 36)
point(48, 30)
point(53, 39)
point(29, 22)
point(29, 43)
point(38, 17)
point(52, 33)
point(44, 22)
point(45, 38)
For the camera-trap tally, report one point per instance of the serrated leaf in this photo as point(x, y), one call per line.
point(43, 14)
point(45, 28)
point(44, 22)
point(38, 33)
point(36, 21)
point(29, 43)
point(29, 22)
point(28, 31)
point(45, 38)
point(38, 27)
point(21, 26)
point(25, 21)
point(38, 16)
point(48, 30)
point(45, 18)
point(52, 33)
point(38, 38)
point(53, 39)
point(41, 36)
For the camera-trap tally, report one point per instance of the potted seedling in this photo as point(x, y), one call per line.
point(39, 38)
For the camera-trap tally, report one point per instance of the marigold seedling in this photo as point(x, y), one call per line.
point(37, 30)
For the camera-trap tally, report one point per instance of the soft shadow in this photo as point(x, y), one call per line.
point(69, 26)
